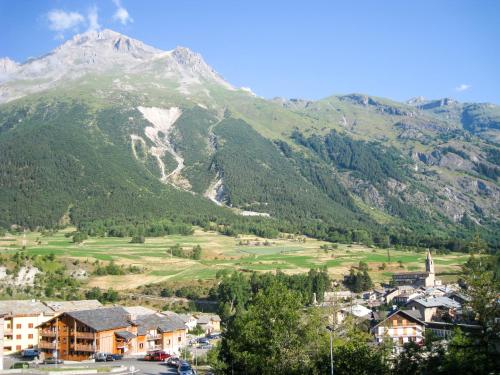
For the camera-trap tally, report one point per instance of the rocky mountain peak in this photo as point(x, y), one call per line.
point(416, 100)
point(107, 42)
point(104, 52)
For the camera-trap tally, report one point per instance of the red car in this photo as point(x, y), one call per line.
point(156, 355)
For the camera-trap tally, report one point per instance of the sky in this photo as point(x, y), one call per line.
point(293, 49)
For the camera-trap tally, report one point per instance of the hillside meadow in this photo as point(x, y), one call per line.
point(290, 254)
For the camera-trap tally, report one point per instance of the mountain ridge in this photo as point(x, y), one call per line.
point(346, 162)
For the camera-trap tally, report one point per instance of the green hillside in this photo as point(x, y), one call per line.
point(79, 150)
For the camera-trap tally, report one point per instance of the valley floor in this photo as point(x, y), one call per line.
point(246, 253)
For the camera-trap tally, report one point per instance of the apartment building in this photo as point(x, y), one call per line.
point(79, 335)
point(21, 319)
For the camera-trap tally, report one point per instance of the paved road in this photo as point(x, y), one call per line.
point(144, 367)
point(148, 368)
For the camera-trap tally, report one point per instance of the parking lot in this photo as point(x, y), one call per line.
point(140, 366)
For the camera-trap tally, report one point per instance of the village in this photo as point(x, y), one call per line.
point(64, 333)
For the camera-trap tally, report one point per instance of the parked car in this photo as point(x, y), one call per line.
point(117, 357)
point(156, 355)
point(101, 357)
point(52, 361)
point(30, 353)
point(214, 336)
point(185, 369)
point(203, 340)
point(206, 346)
point(173, 362)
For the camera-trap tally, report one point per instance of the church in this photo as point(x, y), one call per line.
point(418, 279)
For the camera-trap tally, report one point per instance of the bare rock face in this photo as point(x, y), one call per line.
point(24, 277)
point(103, 52)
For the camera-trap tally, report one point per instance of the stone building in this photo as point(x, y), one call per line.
point(417, 279)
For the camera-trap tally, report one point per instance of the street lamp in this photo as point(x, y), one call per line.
point(331, 329)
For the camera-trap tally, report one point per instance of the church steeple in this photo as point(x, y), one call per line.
point(429, 263)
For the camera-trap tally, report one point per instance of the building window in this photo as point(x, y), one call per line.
point(30, 336)
point(19, 326)
point(9, 326)
point(404, 322)
point(141, 346)
point(395, 322)
point(179, 339)
point(18, 337)
point(30, 325)
point(18, 347)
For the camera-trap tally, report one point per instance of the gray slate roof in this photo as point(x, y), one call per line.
point(102, 319)
point(24, 307)
point(208, 318)
point(438, 302)
point(158, 322)
point(139, 310)
point(65, 306)
point(125, 335)
point(414, 314)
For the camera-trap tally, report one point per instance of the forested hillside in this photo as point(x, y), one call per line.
point(172, 142)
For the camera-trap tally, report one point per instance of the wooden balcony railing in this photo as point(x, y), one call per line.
point(85, 348)
point(46, 345)
point(84, 335)
point(48, 333)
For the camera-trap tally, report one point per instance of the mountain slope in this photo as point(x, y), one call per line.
point(106, 126)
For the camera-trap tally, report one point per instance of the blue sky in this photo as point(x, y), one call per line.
point(308, 49)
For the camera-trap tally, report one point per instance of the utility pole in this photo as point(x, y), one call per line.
point(1, 341)
point(331, 329)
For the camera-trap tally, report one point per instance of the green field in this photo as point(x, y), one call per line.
point(221, 252)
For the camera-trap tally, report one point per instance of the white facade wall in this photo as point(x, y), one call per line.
point(21, 332)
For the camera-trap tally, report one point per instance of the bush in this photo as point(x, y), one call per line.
point(79, 237)
point(138, 239)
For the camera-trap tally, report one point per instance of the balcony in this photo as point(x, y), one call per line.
point(84, 335)
point(85, 348)
point(45, 333)
point(153, 337)
point(46, 345)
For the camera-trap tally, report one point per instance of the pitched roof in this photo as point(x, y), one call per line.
point(139, 310)
point(401, 274)
point(65, 306)
point(357, 310)
point(24, 307)
point(415, 314)
point(207, 318)
point(185, 317)
point(412, 314)
point(159, 322)
point(125, 335)
point(102, 319)
point(437, 302)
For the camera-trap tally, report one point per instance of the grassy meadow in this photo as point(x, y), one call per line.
point(246, 253)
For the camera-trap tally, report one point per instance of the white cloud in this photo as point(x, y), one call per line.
point(121, 13)
point(60, 21)
point(93, 19)
point(462, 87)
